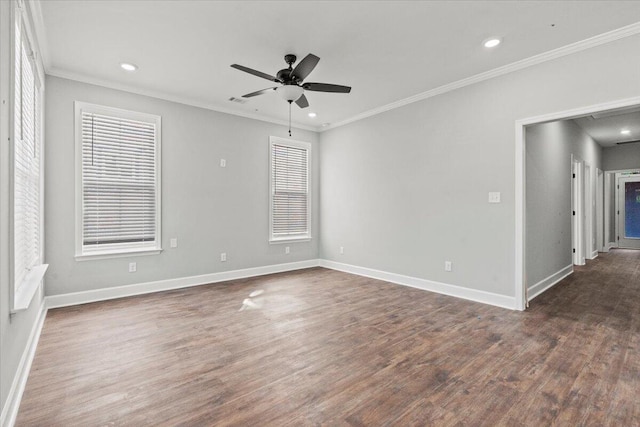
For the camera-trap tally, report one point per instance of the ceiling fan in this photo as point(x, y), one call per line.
point(291, 79)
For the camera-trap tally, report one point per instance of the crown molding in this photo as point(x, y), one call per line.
point(69, 75)
point(620, 33)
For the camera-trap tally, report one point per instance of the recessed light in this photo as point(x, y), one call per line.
point(312, 115)
point(128, 67)
point(493, 42)
point(324, 125)
point(625, 131)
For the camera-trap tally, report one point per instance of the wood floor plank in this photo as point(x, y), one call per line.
point(321, 347)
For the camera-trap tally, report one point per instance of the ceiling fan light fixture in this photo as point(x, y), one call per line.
point(290, 93)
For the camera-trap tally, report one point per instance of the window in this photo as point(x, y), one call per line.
point(290, 201)
point(28, 269)
point(118, 168)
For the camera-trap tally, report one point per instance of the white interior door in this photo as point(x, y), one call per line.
point(577, 207)
point(629, 212)
point(589, 207)
point(599, 210)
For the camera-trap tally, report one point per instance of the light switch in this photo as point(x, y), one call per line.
point(494, 197)
point(223, 163)
point(173, 242)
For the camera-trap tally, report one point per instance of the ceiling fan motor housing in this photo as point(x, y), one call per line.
point(285, 76)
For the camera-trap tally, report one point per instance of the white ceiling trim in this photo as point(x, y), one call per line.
point(627, 31)
point(55, 72)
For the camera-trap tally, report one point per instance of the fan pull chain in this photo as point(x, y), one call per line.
point(289, 118)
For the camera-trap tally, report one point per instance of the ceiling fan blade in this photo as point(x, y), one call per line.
point(305, 67)
point(254, 72)
point(302, 102)
point(259, 92)
point(326, 87)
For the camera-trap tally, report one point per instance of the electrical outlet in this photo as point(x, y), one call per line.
point(287, 250)
point(173, 242)
point(223, 257)
point(494, 197)
point(447, 266)
point(223, 163)
point(132, 267)
point(341, 250)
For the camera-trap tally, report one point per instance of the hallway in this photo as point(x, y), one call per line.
point(595, 313)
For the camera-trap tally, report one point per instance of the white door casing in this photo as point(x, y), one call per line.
point(628, 195)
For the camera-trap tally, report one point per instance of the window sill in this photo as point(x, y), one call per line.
point(118, 254)
point(289, 240)
point(24, 295)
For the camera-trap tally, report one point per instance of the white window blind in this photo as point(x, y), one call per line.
point(27, 112)
point(290, 217)
point(120, 180)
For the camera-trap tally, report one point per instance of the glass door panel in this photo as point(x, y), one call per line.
point(632, 210)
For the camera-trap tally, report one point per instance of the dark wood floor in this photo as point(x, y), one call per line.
point(323, 347)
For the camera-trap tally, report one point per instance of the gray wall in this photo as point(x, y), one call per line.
point(407, 189)
point(14, 330)
point(549, 147)
point(621, 157)
point(209, 209)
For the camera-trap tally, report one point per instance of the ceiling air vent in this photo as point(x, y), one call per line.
point(238, 100)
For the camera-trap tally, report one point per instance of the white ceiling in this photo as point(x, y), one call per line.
point(386, 50)
point(605, 128)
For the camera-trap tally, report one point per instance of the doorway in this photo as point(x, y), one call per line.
point(522, 288)
point(628, 211)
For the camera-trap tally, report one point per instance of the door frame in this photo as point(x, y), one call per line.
point(608, 243)
point(619, 203)
point(589, 207)
point(520, 180)
point(599, 210)
point(578, 223)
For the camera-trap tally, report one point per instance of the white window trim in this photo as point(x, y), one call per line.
point(123, 250)
point(21, 296)
point(299, 144)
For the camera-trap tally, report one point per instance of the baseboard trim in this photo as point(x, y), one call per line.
point(12, 404)
point(426, 285)
point(549, 281)
point(594, 255)
point(85, 297)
